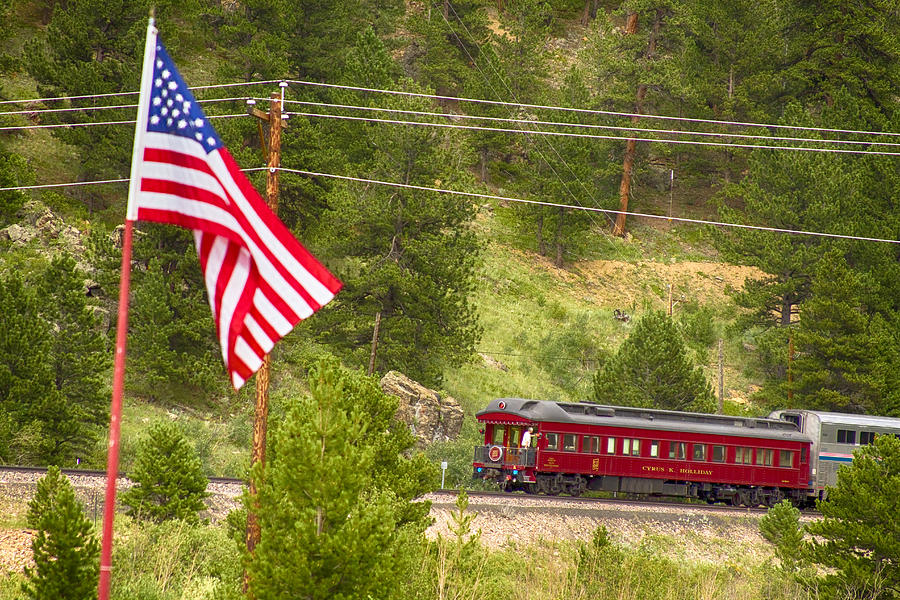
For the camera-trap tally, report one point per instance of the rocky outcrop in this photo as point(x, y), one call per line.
point(430, 416)
point(37, 222)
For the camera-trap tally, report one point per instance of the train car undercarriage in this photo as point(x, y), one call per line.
point(554, 484)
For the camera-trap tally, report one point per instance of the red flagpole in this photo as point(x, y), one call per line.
point(115, 417)
point(115, 413)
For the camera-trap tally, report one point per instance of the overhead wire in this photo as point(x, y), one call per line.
point(37, 111)
point(599, 136)
point(594, 111)
point(97, 123)
point(463, 116)
point(507, 199)
point(607, 211)
point(512, 93)
point(112, 94)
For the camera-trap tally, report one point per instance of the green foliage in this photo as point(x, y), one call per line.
point(781, 527)
point(168, 478)
point(334, 504)
point(460, 558)
point(14, 172)
point(857, 540)
point(173, 560)
point(412, 256)
point(52, 362)
point(847, 357)
point(66, 552)
point(652, 369)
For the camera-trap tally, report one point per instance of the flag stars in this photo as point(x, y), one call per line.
point(182, 124)
point(157, 82)
point(166, 73)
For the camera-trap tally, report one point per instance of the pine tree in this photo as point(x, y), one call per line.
point(857, 540)
point(66, 552)
point(781, 527)
point(335, 507)
point(28, 397)
point(14, 172)
point(652, 369)
point(406, 255)
point(847, 354)
point(168, 477)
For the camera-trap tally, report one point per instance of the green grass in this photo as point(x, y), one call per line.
point(222, 441)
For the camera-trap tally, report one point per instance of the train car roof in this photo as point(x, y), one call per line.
point(834, 418)
point(639, 418)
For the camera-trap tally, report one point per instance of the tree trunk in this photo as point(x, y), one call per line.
point(542, 247)
point(628, 162)
point(558, 238)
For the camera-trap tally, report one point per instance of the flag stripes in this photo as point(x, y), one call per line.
point(260, 280)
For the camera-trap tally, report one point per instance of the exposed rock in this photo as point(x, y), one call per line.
point(17, 234)
point(430, 416)
point(492, 362)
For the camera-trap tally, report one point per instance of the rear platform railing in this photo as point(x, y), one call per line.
point(508, 456)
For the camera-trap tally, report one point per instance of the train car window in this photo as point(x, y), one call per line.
point(626, 446)
point(570, 441)
point(866, 437)
point(743, 456)
point(635, 447)
point(718, 453)
point(677, 450)
point(785, 458)
point(590, 444)
point(846, 436)
point(611, 445)
point(552, 441)
point(654, 449)
point(804, 455)
point(499, 431)
point(699, 452)
point(764, 457)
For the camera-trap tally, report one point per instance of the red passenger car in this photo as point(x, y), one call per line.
point(580, 446)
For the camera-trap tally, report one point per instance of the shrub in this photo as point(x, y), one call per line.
point(66, 552)
point(168, 477)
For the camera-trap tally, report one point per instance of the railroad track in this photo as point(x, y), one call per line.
point(88, 473)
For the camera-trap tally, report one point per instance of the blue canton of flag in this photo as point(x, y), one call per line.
point(173, 108)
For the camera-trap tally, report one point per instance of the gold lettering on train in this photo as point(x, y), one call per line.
point(595, 464)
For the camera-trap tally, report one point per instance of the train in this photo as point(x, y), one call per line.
point(574, 447)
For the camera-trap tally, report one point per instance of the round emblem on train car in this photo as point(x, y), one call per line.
point(501, 404)
point(495, 453)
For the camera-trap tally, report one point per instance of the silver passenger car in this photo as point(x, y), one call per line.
point(835, 436)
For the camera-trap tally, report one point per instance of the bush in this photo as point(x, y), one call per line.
point(168, 477)
point(66, 552)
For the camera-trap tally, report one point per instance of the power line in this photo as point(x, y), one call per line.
point(98, 123)
point(591, 111)
point(512, 93)
point(592, 209)
point(462, 116)
point(92, 108)
point(112, 94)
point(598, 136)
point(511, 199)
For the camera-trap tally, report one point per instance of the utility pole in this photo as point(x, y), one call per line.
point(260, 421)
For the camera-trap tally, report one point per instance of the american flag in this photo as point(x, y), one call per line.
point(260, 280)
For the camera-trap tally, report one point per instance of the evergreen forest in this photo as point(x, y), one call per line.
point(677, 204)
